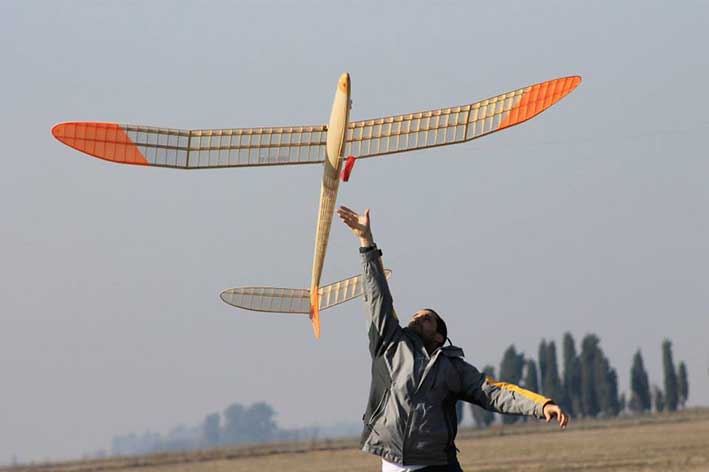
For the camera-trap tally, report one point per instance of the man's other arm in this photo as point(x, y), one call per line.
point(505, 398)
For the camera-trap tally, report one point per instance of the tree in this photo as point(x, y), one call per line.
point(683, 384)
point(511, 372)
point(551, 383)
point(482, 417)
point(259, 423)
point(210, 430)
point(233, 428)
point(572, 375)
point(609, 399)
point(640, 399)
point(252, 424)
point(542, 357)
point(589, 361)
point(531, 381)
point(659, 399)
point(671, 386)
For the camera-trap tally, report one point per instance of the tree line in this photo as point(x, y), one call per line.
point(237, 424)
point(588, 384)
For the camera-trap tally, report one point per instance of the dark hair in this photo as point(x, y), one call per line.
point(442, 329)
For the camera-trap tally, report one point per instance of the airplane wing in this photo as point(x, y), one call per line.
point(293, 300)
point(454, 125)
point(195, 149)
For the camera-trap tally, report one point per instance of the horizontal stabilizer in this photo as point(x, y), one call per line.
point(293, 300)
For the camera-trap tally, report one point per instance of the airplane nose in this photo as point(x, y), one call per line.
point(345, 81)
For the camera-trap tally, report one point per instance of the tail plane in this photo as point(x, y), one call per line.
point(296, 301)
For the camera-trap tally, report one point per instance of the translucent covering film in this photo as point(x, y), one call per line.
point(453, 125)
point(195, 149)
point(240, 147)
point(292, 300)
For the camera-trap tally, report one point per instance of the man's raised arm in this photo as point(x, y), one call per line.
point(384, 326)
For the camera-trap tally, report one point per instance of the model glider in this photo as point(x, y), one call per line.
point(323, 144)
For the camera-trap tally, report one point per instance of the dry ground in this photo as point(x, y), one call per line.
point(678, 442)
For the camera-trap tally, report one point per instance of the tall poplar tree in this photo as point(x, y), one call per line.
point(542, 357)
point(668, 367)
point(572, 375)
point(551, 383)
point(531, 381)
point(589, 362)
point(612, 405)
point(640, 399)
point(683, 383)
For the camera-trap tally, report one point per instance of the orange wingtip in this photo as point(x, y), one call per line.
point(538, 98)
point(107, 141)
point(315, 311)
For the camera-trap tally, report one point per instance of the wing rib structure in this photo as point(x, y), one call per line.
point(247, 147)
point(452, 125)
point(195, 149)
point(291, 300)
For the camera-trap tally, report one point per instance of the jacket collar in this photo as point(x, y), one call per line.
point(452, 351)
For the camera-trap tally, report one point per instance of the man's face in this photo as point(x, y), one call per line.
point(425, 324)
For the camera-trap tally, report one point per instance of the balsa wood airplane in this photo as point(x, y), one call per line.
point(323, 144)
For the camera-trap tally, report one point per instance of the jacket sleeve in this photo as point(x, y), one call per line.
point(501, 397)
point(383, 324)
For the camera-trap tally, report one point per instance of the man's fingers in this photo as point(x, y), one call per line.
point(344, 210)
point(346, 213)
point(349, 218)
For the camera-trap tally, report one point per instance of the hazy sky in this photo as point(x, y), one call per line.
point(590, 218)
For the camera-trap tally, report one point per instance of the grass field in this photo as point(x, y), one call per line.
point(677, 442)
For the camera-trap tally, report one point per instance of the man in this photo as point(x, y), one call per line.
point(411, 421)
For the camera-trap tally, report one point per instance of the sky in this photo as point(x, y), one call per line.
point(591, 218)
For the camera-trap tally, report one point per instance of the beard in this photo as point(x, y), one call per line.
point(416, 326)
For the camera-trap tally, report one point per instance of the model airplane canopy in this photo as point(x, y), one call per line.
point(323, 144)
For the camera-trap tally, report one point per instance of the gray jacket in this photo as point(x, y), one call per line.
point(411, 416)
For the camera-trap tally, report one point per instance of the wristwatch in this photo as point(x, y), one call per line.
point(366, 249)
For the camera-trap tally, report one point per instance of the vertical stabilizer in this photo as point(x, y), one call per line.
point(315, 310)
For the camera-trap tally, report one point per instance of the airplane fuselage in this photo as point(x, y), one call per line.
point(335, 145)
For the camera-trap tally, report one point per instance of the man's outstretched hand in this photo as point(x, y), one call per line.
point(551, 410)
point(359, 224)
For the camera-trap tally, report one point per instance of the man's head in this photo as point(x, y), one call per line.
point(430, 327)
